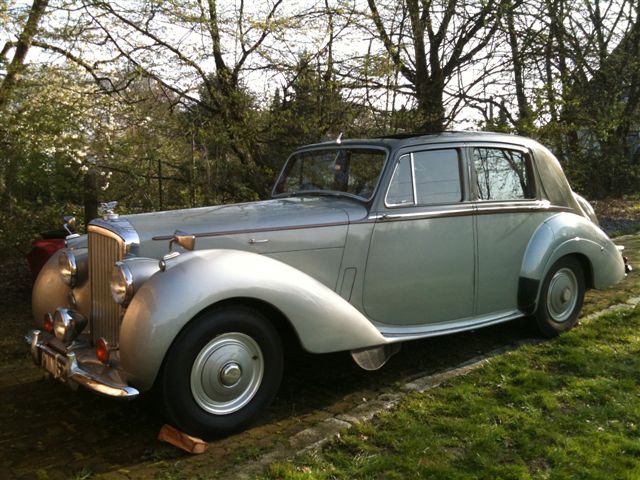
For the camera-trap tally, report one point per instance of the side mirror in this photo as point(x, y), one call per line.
point(70, 224)
point(184, 239)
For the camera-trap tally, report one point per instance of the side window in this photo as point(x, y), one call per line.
point(437, 174)
point(427, 177)
point(501, 174)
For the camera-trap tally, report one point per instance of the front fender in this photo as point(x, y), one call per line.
point(50, 292)
point(567, 234)
point(323, 321)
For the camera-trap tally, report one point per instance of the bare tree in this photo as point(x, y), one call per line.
point(441, 39)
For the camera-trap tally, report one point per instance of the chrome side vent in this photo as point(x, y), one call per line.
point(105, 249)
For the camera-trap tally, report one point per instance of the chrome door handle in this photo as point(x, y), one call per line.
point(253, 241)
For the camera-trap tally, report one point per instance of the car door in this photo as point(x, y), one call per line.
point(508, 213)
point(420, 265)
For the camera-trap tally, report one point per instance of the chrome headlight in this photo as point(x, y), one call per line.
point(68, 267)
point(121, 284)
point(67, 324)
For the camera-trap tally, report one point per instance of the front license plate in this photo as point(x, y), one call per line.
point(51, 365)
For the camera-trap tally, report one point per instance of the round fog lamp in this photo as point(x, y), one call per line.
point(63, 325)
point(68, 267)
point(121, 284)
point(67, 325)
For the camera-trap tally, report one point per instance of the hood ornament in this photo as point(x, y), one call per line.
point(106, 210)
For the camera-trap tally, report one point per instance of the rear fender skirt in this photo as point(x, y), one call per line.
point(195, 281)
point(561, 235)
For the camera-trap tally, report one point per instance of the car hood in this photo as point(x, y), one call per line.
point(234, 226)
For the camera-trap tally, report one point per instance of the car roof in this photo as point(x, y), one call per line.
point(410, 139)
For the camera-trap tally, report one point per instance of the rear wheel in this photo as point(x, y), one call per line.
point(561, 297)
point(221, 371)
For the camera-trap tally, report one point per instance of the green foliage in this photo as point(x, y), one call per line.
point(43, 147)
point(59, 131)
point(567, 408)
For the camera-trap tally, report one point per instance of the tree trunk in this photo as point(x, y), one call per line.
point(90, 195)
point(431, 105)
point(524, 112)
point(25, 39)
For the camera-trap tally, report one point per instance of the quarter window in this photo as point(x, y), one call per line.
point(427, 177)
point(401, 189)
point(501, 174)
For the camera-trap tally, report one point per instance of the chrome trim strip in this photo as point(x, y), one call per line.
point(514, 208)
point(470, 209)
point(401, 334)
point(413, 180)
point(466, 209)
point(390, 217)
point(262, 230)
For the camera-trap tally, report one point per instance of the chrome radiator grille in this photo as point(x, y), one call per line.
point(105, 248)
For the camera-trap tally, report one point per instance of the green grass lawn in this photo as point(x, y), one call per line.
point(566, 408)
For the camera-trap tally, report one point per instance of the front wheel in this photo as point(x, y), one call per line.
point(221, 371)
point(561, 297)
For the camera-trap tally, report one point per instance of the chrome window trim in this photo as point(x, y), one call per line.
point(461, 166)
point(530, 168)
point(413, 180)
point(338, 146)
point(393, 175)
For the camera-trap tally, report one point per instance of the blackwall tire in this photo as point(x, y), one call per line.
point(561, 297)
point(221, 371)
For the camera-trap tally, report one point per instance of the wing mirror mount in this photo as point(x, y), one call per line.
point(184, 239)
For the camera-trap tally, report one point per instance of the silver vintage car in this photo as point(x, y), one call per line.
point(365, 244)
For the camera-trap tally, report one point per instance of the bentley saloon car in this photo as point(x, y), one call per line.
point(365, 244)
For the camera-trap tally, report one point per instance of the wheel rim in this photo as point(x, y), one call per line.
point(227, 373)
point(562, 295)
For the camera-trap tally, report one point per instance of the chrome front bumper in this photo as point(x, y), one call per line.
point(77, 364)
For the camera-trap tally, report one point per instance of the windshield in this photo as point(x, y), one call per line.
point(354, 171)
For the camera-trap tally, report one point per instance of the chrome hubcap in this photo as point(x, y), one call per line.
point(562, 295)
point(227, 373)
point(230, 374)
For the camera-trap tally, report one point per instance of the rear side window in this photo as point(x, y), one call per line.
point(502, 174)
point(427, 177)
